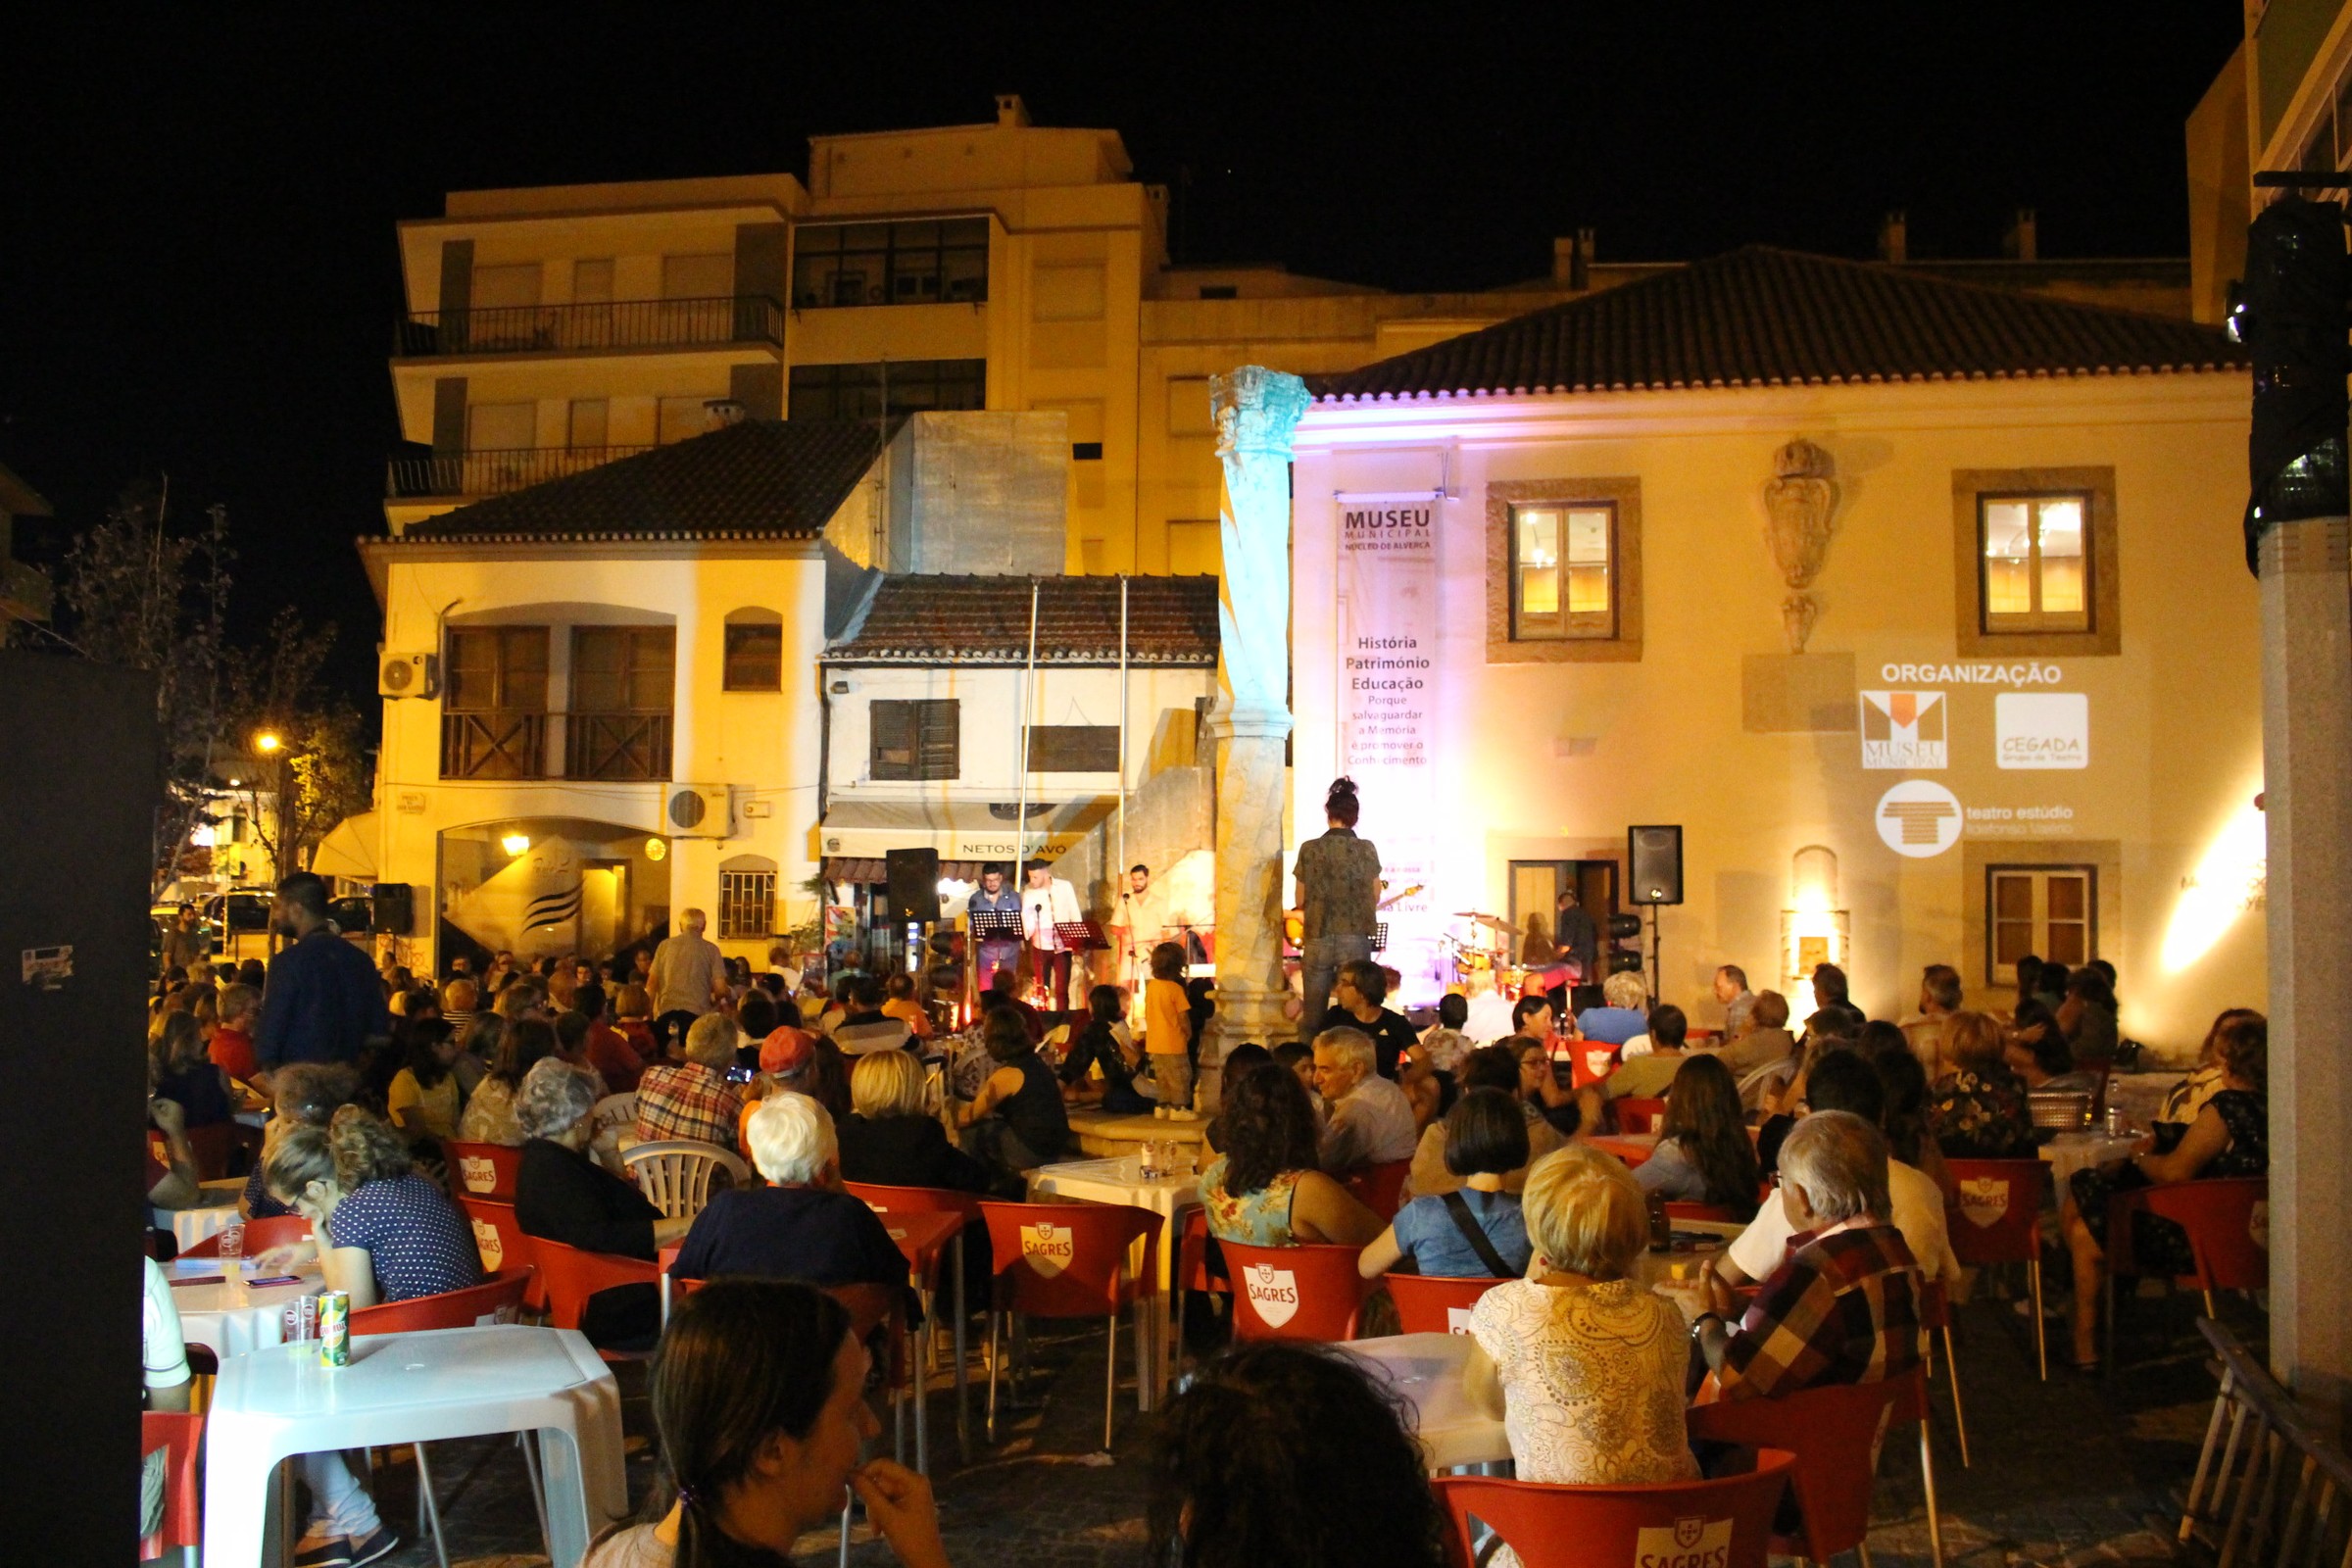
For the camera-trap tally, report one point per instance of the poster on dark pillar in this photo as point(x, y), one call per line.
point(1388, 578)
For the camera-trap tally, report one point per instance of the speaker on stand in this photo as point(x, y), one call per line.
point(1654, 870)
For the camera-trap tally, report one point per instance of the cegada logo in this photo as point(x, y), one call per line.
point(2043, 730)
point(1048, 1248)
point(1690, 1541)
point(1917, 817)
point(1904, 729)
point(1273, 1292)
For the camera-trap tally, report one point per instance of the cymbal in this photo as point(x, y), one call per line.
point(1494, 920)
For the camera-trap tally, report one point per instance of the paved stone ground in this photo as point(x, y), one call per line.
point(2077, 1470)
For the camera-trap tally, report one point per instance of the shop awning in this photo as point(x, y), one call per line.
point(961, 831)
point(348, 850)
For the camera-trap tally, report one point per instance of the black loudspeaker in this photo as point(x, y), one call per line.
point(913, 885)
point(395, 908)
point(1654, 864)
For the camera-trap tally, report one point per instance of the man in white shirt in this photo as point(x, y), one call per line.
point(1370, 1122)
point(1488, 1018)
point(1845, 1080)
point(1136, 924)
point(689, 973)
point(1049, 901)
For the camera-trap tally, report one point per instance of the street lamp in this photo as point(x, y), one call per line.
point(268, 742)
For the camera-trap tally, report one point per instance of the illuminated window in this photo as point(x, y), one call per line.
point(747, 904)
point(1563, 570)
point(2036, 562)
point(2047, 910)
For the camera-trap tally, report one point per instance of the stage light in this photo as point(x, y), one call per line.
point(656, 849)
point(2226, 883)
point(516, 844)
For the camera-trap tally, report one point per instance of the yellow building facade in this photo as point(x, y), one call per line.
point(1936, 651)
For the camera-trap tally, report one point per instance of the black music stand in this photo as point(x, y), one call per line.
point(1081, 935)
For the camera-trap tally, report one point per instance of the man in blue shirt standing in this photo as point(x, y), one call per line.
point(993, 896)
point(323, 1000)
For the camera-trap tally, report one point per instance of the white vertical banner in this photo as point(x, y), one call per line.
point(1388, 571)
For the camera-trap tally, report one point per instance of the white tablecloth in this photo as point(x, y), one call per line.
point(1652, 1267)
point(2069, 1153)
point(1119, 1181)
point(1427, 1369)
point(233, 1318)
point(192, 1225)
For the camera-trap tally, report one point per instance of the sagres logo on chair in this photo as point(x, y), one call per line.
point(1903, 729)
point(1984, 1199)
point(486, 1243)
point(1273, 1292)
point(480, 1175)
point(1692, 1541)
point(1048, 1248)
point(1457, 1320)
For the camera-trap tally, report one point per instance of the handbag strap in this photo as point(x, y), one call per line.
point(1457, 1209)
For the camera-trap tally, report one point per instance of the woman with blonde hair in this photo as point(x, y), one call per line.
point(890, 1139)
point(1583, 1364)
point(1978, 1109)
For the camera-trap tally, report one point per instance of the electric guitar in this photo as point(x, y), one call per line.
point(1294, 921)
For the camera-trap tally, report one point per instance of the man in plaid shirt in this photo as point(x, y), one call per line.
point(693, 1098)
point(1844, 1306)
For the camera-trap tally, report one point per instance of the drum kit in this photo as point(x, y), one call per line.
point(1485, 949)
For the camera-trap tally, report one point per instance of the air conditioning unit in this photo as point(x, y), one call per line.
point(698, 812)
point(409, 675)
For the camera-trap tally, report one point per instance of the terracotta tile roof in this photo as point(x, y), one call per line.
point(1171, 622)
point(760, 479)
point(1763, 316)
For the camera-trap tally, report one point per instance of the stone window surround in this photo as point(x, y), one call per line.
point(2106, 633)
point(1977, 857)
point(1623, 493)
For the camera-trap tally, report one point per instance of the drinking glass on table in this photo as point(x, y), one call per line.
point(232, 1245)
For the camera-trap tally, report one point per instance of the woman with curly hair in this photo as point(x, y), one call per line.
point(1978, 1109)
point(1291, 1455)
point(1264, 1189)
point(1704, 1154)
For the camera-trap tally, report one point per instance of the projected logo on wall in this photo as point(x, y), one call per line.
point(1904, 729)
point(2043, 730)
point(1917, 817)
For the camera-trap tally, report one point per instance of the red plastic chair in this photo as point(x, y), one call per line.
point(1199, 1265)
point(1427, 1303)
point(1834, 1433)
point(1911, 1405)
point(1071, 1260)
point(1639, 1113)
point(261, 1235)
point(1724, 1524)
point(1713, 1213)
point(1936, 1317)
point(1997, 1219)
point(181, 1435)
point(1380, 1188)
point(572, 1276)
point(499, 1238)
point(1296, 1293)
point(485, 1170)
point(2218, 1213)
point(885, 1199)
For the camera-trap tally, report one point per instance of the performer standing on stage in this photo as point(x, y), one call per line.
point(1136, 924)
point(1339, 900)
point(1049, 901)
point(993, 896)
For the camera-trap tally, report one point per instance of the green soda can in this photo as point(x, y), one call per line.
point(334, 1328)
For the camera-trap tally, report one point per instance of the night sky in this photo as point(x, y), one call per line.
point(197, 271)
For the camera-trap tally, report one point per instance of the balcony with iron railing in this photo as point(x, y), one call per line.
point(512, 743)
point(598, 327)
point(492, 472)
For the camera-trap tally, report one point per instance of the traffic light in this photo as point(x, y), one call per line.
point(2292, 319)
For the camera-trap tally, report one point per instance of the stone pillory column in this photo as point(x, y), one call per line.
point(2307, 796)
point(1255, 410)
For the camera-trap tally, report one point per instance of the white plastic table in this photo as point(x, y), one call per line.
point(232, 1317)
point(1428, 1370)
point(416, 1388)
point(192, 1225)
point(2069, 1153)
point(1117, 1181)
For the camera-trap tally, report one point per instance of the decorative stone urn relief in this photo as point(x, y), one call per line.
point(1799, 506)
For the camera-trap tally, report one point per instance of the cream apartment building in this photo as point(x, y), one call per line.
point(1005, 266)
